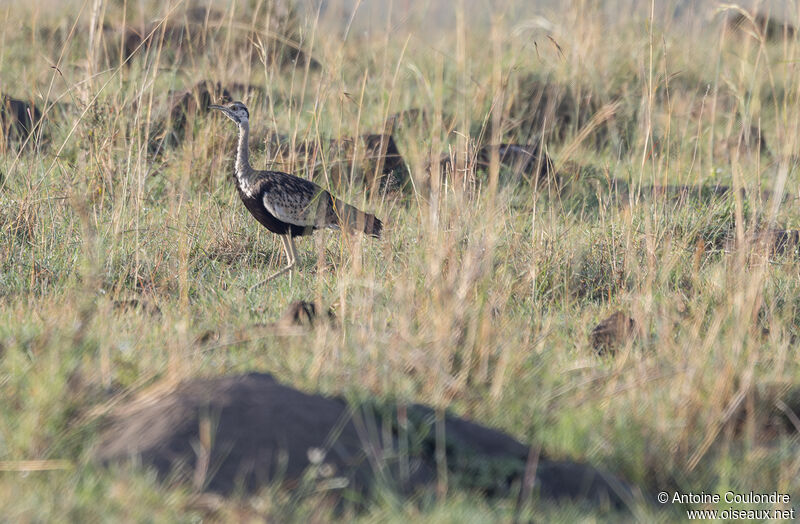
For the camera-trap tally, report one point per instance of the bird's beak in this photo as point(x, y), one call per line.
point(225, 111)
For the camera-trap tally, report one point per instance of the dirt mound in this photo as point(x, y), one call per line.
point(613, 332)
point(775, 242)
point(17, 118)
point(768, 410)
point(183, 108)
point(305, 314)
point(183, 30)
point(759, 24)
point(781, 241)
point(518, 163)
point(144, 305)
point(682, 194)
point(202, 30)
point(558, 111)
point(378, 162)
point(248, 430)
point(419, 120)
point(745, 141)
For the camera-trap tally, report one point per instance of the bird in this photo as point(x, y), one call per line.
point(285, 204)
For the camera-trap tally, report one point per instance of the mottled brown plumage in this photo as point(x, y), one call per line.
point(288, 205)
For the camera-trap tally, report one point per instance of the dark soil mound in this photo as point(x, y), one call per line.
point(769, 28)
point(246, 431)
point(17, 118)
point(612, 333)
point(743, 142)
point(420, 121)
point(180, 31)
point(379, 164)
point(520, 162)
point(682, 194)
point(781, 241)
point(305, 314)
point(558, 111)
point(197, 31)
point(775, 242)
point(517, 163)
point(769, 410)
point(184, 107)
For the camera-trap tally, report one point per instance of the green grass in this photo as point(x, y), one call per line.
point(479, 302)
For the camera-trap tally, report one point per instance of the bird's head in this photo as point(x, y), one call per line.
point(236, 111)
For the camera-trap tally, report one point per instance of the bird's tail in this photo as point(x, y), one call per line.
point(355, 219)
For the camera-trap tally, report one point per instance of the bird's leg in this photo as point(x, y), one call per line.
point(288, 247)
point(292, 256)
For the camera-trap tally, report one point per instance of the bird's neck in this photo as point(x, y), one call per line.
point(242, 153)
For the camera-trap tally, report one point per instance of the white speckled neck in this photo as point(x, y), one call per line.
point(243, 168)
point(242, 153)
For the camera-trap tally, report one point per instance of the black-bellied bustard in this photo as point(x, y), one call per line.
point(287, 205)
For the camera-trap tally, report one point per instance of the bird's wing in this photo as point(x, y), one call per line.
point(295, 200)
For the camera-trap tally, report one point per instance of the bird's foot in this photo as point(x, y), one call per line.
point(274, 276)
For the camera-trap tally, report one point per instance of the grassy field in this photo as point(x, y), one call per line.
point(478, 300)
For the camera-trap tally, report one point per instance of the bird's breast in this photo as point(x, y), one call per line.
point(247, 188)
